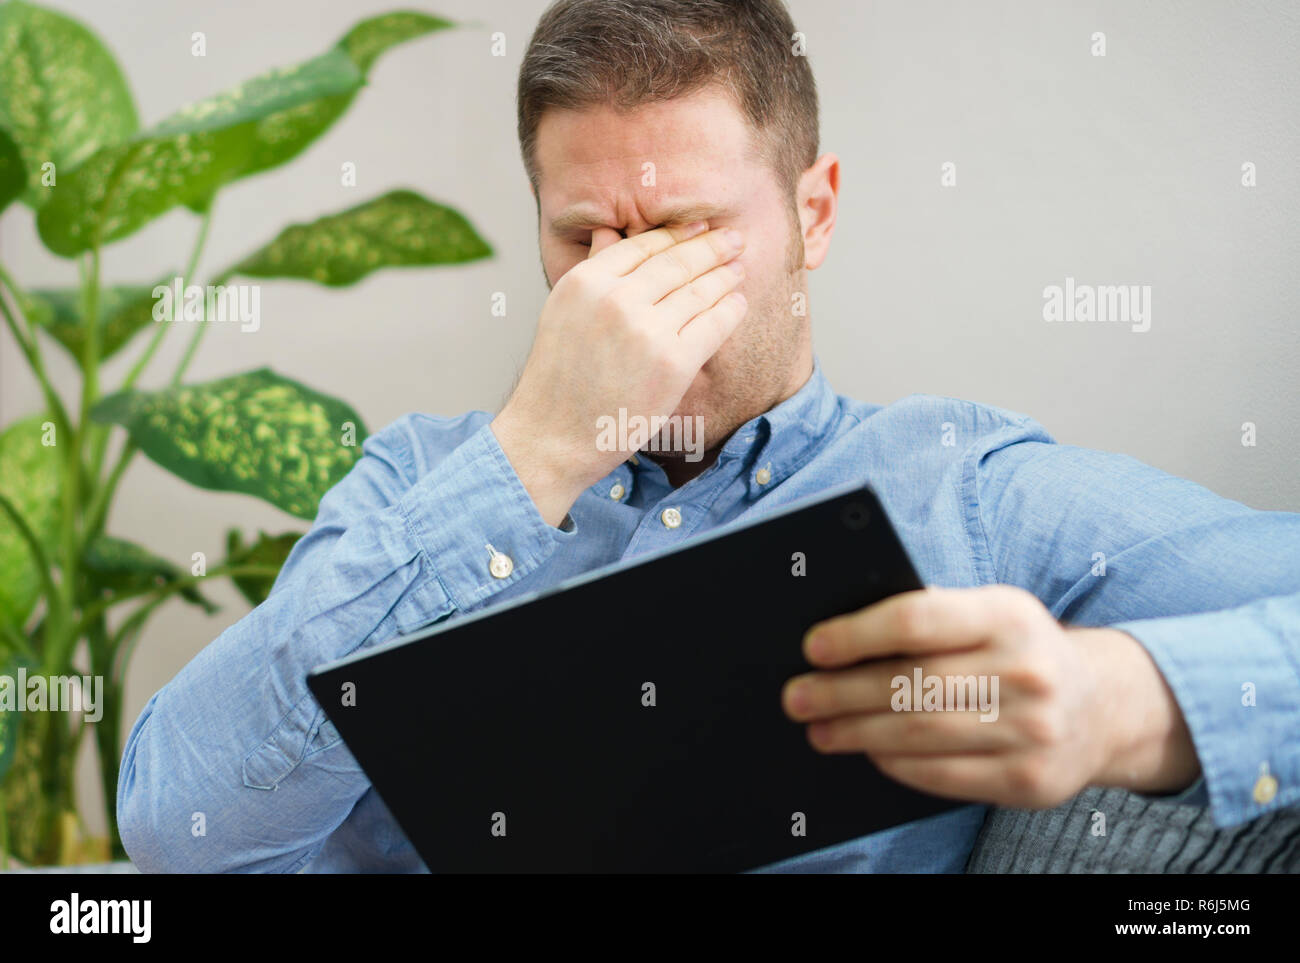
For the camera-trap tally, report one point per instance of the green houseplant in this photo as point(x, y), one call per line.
point(72, 150)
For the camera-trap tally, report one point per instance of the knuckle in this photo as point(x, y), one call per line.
point(1044, 729)
point(699, 292)
point(910, 738)
point(615, 304)
point(826, 696)
point(580, 275)
point(569, 283)
point(911, 617)
point(581, 283)
point(672, 368)
point(675, 267)
point(722, 249)
point(1017, 608)
point(1035, 674)
point(657, 362)
point(1025, 778)
point(642, 339)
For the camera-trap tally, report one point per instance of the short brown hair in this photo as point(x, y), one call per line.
point(625, 53)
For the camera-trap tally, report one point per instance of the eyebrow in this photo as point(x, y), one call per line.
point(584, 217)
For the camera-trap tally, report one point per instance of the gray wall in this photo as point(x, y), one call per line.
point(1123, 169)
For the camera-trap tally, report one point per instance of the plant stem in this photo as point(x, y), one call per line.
point(4, 839)
point(31, 349)
point(89, 360)
point(107, 728)
point(18, 335)
point(33, 544)
point(189, 353)
point(100, 606)
point(103, 497)
point(18, 641)
point(98, 510)
point(90, 346)
point(195, 253)
point(123, 641)
point(62, 644)
point(126, 637)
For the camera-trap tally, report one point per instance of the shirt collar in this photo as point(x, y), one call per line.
point(769, 447)
point(773, 445)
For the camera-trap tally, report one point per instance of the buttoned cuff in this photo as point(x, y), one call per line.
point(476, 523)
point(1233, 674)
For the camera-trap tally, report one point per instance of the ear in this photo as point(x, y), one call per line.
point(817, 198)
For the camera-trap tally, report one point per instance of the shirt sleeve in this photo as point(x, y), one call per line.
point(232, 766)
point(1209, 587)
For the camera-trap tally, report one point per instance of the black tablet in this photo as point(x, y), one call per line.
point(630, 720)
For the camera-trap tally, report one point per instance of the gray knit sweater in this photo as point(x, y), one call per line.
point(1141, 835)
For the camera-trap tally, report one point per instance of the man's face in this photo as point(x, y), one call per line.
point(594, 171)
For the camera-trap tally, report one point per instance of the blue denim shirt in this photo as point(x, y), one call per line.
point(978, 495)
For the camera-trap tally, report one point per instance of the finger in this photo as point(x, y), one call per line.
point(682, 263)
point(701, 294)
point(978, 778)
point(704, 334)
point(870, 687)
point(910, 623)
point(913, 733)
point(630, 253)
point(601, 238)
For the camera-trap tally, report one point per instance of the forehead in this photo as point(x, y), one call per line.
point(667, 158)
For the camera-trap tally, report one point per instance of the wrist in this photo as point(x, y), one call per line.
point(540, 463)
point(1146, 745)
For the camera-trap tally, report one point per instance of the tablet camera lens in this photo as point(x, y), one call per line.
point(856, 516)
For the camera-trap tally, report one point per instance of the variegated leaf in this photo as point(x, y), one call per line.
point(13, 175)
point(257, 433)
point(116, 565)
point(269, 550)
point(191, 155)
point(124, 310)
point(8, 727)
point(398, 229)
point(29, 478)
point(62, 95)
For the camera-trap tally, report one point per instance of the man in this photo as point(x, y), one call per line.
point(672, 148)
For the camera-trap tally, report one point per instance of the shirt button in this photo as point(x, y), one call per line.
point(763, 476)
point(617, 492)
point(1265, 786)
point(501, 564)
point(671, 517)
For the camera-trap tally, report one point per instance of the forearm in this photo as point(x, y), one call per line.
point(1209, 588)
point(234, 736)
point(1236, 676)
point(548, 470)
point(1146, 745)
point(237, 736)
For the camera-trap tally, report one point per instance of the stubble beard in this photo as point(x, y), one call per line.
point(751, 372)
